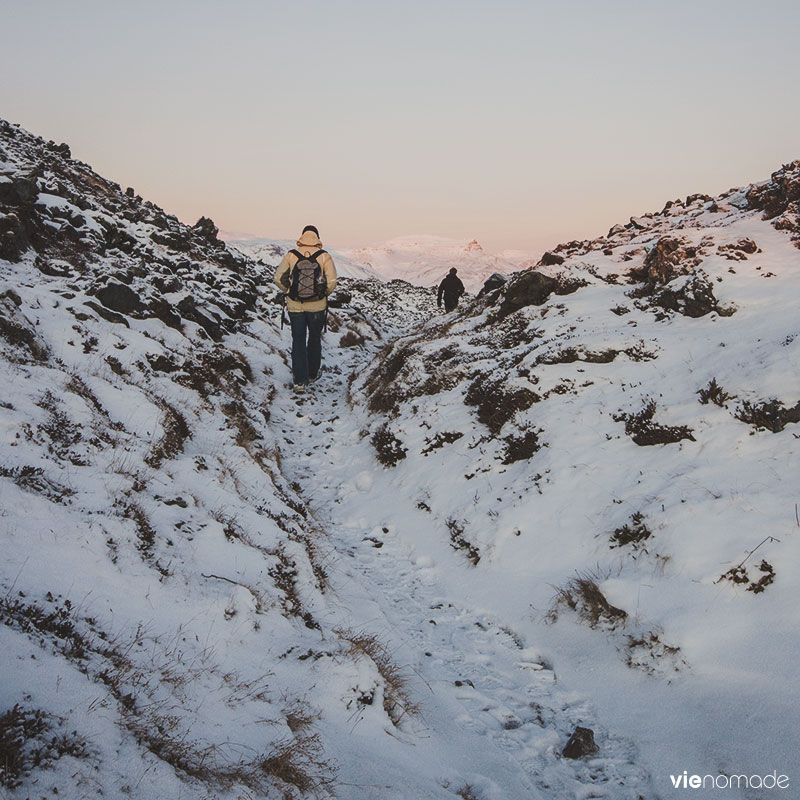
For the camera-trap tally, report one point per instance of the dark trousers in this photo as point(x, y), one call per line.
point(306, 343)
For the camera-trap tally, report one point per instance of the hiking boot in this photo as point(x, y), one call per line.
point(300, 388)
point(316, 377)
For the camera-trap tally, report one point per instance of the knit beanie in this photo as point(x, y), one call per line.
point(311, 228)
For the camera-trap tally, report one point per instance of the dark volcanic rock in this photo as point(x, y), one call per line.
point(119, 298)
point(18, 191)
point(580, 744)
point(551, 260)
point(207, 229)
point(16, 329)
point(188, 308)
point(775, 196)
point(695, 298)
point(670, 257)
point(529, 288)
point(339, 298)
point(62, 149)
point(494, 281)
point(107, 314)
point(162, 310)
point(13, 237)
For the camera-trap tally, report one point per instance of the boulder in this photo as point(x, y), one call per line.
point(161, 309)
point(204, 318)
point(671, 256)
point(494, 281)
point(62, 149)
point(17, 191)
point(13, 238)
point(17, 330)
point(551, 260)
point(120, 298)
point(107, 314)
point(339, 298)
point(528, 288)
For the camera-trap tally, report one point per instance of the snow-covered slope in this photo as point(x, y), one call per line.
point(425, 260)
point(612, 442)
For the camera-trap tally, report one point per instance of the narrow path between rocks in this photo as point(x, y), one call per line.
point(492, 716)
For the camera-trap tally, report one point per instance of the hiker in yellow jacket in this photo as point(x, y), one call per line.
point(307, 276)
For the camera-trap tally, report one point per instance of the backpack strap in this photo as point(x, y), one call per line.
point(312, 257)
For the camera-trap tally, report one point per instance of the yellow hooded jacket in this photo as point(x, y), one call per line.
point(307, 244)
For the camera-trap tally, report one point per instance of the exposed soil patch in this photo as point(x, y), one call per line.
point(496, 403)
point(522, 447)
point(644, 430)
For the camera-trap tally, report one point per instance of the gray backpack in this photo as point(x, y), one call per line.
point(307, 281)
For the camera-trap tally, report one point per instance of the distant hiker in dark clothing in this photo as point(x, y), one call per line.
point(306, 276)
point(451, 289)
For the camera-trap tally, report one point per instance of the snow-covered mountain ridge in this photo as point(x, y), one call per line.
point(421, 579)
point(425, 260)
point(419, 260)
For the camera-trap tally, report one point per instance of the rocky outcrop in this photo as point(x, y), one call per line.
point(207, 229)
point(670, 257)
point(779, 199)
point(128, 257)
point(777, 195)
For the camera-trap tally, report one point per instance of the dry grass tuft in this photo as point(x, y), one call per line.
point(582, 595)
point(397, 702)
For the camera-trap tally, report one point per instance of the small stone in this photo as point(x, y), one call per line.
point(580, 744)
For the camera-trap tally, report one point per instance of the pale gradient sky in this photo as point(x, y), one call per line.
point(519, 123)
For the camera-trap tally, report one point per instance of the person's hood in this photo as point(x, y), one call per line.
point(309, 239)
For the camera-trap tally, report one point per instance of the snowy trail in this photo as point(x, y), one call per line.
point(493, 717)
